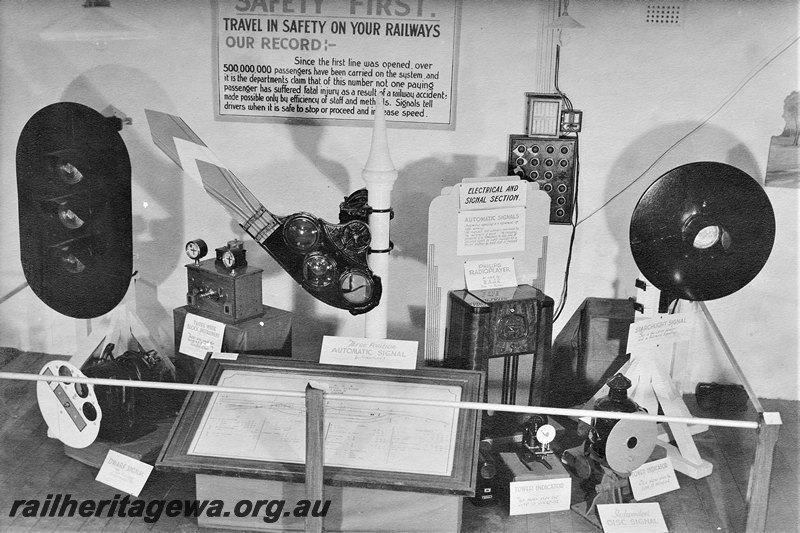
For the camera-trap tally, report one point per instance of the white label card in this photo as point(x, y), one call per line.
point(632, 518)
point(539, 496)
point(491, 231)
point(492, 274)
point(200, 336)
point(492, 194)
point(226, 356)
point(124, 473)
point(374, 353)
point(660, 330)
point(653, 478)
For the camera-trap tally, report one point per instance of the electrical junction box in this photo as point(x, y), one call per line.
point(550, 162)
point(230, 295)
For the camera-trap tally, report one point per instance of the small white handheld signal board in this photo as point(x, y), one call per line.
point(70, 410)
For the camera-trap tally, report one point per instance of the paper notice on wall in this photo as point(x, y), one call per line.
point(661, 330)
point(492, 274)
point(329, 60)
point(491, 231)
point(200, 336)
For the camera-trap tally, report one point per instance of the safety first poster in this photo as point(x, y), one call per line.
point(330, 59)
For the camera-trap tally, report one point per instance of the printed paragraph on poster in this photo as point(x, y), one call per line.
point(320, 59)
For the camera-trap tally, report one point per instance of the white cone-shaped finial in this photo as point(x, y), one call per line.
point(379, 166)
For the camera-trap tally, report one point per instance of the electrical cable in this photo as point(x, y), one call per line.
point(567, 101)
point(749, 77)
point(574, 219)
point(565, 286)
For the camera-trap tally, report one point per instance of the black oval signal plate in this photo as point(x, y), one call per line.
point(74, 191)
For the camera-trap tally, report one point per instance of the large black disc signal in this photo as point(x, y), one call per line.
point(702, 231)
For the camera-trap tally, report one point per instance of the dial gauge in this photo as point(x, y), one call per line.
point(196, 249)
point(545, 434)
point(356, 287)
point(356, 235)
point(229, 259)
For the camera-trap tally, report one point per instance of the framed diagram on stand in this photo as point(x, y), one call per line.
point(367, 443)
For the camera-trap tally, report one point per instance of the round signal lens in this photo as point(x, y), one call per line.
point(301, 233)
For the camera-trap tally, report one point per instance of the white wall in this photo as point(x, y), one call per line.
point(640, 88)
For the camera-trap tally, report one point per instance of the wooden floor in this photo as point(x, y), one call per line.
point(33, 466)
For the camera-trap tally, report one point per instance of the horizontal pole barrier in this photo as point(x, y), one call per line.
point(478, 406)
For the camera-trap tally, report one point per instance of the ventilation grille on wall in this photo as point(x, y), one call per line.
point(663, 14)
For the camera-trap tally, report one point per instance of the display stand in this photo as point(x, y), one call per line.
point(315, 449)
point(380, 475)
point(757, 498)
point(352, 509)
point(653, 389)
point(769, 425)
point(446, 267)
point(267, 334)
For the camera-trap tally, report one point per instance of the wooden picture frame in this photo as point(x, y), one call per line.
point(177, 453)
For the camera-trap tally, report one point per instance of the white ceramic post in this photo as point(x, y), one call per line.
point(379, 174)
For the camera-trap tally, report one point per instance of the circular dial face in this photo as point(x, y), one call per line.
point(356, 235)
point(512, 326)
point(196, 249)
point(545, 434)
point(356, 287)
point(229, 259)
point(488, 470)
point(301, 233)
point(319, 270)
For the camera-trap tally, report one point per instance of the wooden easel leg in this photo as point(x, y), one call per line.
point(769, 425)
point(315, 438)
point(685, 458)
